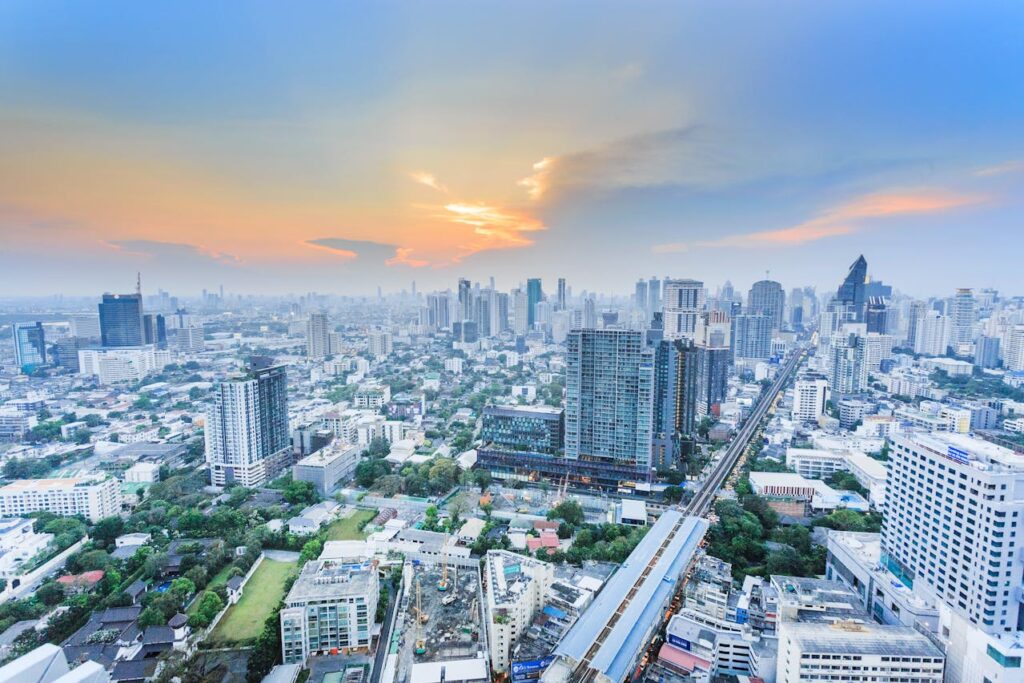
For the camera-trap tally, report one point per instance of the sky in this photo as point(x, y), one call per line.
point(337, 147)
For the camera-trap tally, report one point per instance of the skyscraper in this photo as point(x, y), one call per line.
point(589, 313)
point(933, 333)
point(609, 400)
point(986, 352)
point(963, 317)
point(683, 303)
point(29, 346)
point(653, 297)
point(154, 328)
point(561, 294)
point(676, 367)
point(318, 332)
point(915, 311)
point(876, 315)
point(121, 320)
point(247, 437)
point(751, 337)
point(767, 297)
point(847, 363)
point(465, 300)
point(851, 296)
point(640, 297)
point(533, 296)
point(520, 311)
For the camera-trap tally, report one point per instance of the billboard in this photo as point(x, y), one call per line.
point(530, 669)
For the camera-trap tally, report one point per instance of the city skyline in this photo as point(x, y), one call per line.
point(344, 148)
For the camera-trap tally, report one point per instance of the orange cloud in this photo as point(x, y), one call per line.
point(403, 257)
point(539, 181)
point(844, 219)
point(429, 180)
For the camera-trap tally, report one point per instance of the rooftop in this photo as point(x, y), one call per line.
point(862, 638)
point(328, 578)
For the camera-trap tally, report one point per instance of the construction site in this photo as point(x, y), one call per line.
point(440, 618)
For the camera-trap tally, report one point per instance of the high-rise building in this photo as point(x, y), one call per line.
point(520, 312)
point(851, 296)
point(915, 312)
point(438, 316)
point(712, 378)
point(379, 343)
point(499, 314)
point(640, 297)
point(121, 320)
point(751, 337)
point(609, 399)
point(247, 436)
point(465, 299)
point(876, 315)
point(29, 346)
point(847, 363)
point(653, 297)
point(1013, 358)
point(589, 313)
point(963, 317)
point(85, 326)
point(318, 332)
point(155, 329)
point(952, 527)
point(561, 294)
point(986, 352)
point(676, 367)
point(810, 396)
point(933, 334)
point(683, 304)
point(482, 312)
point(768, 298)
point(534, 295)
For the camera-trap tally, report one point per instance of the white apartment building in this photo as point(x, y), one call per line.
point(814, 463)
point(328, 467)
point(372, 396)
point(1013, 357)
point(515, 589)
point(123, 364)
point(332, 605)
point(92, 497)
point(810, 396)
point(954, 516)
point(682, 305)
point(317, 336)
point(380, 343)
point(189, 340)
point(933, 334)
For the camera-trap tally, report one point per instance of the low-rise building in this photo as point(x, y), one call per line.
point(328, 467)
point(331, 605)
point(92, 497)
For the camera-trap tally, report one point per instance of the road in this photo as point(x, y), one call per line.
point(705, 496)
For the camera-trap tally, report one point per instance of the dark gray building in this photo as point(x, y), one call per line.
point(121, 322)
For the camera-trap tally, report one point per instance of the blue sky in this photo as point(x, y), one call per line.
point(338, 146)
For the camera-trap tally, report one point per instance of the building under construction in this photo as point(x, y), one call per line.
point(439, 632)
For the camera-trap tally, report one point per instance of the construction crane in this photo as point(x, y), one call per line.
point(421, 644)
point(443, 584)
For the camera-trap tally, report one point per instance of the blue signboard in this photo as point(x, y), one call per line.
point(681, 643)
point(958, 454)
point(530, 668)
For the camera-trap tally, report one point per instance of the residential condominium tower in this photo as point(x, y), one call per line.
point(609, 399)
point(683, 302)
point(247, 437)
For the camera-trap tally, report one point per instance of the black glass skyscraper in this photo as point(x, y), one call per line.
point(121, 320)
point(851, 294)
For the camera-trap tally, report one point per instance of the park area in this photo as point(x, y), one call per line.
point(261, 595)
point(350, 528)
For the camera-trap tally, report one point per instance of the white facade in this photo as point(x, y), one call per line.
point(142, 473)
point(125, 364)
point(516, 587)
point(332, 605)
point(317, 336)
point(682, 304)
point(380, 343)
point(813, 463)
point(810, 395)
point(933, 334)
point(92, 497)
point(954, 516)
point(19, 543)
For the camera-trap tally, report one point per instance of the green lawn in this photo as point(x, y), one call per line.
point(244, 620)
point(348, 529)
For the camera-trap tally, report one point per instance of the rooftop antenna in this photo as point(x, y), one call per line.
point(138, 283)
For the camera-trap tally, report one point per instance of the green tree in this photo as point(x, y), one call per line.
point(569, 511)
